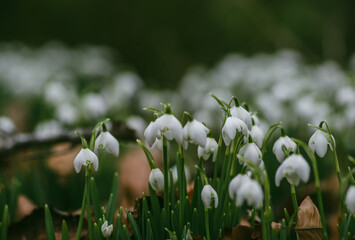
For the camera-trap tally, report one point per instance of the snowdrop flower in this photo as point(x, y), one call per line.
point(252, 193)
point(84, 158)
point(151, 133)
point(350, 199)
point(208, 194)
point(195, 132)
point(7, 126)
point(319, 142)
point(230, 128)
point(242, 114)
point(156, 179)
point(107, 142)
point(283, 141)
point(294, 168)
point(257, 134)
point(168, 126)
point(251, 152)
point(210, 148)
point(106, 230)
point(236, 183)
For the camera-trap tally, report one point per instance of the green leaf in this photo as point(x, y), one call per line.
point(149, 232)
point(111, 206)
point(125, 234)
point(172, 235)
point(135, 228)
point(97, 232)
point(149, 156)
point(95, 199)
point(65, 232)
point(283, 231)
point(49, 223)
point(15, 189)
point(4, 223)
point(119, 227)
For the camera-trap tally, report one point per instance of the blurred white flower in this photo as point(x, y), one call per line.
point(210, 148)
point(208, 194)
point(251, 152)
point(319, 142)
point(242, 114)
point(283, 141)
point(7, 126)
point(252, 193)
point(236, 183)
point(84, 158)
point(156, 179)
point(66, 113)
point(195, 132)
point(106, 229)
point(350, 199)
point(137, 124)
point(94, 105)
point(294, 168)
point(48, 129)
point(107, 142)
point(230, 128)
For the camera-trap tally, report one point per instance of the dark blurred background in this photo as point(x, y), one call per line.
point(160, 39)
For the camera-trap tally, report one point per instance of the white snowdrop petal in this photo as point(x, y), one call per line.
point(156, 179)
point(207, 195)
point(350, 199)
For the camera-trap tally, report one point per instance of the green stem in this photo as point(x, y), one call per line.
point(81, 219)
point(166, 182)
point(88, 208)
point(207, 224)
point(216, 167)
point(294, 198)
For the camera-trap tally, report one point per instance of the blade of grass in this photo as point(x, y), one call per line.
point(49, 223)
point(65, 232)
point(110, 212)
point(15, 189)
point(4, 222)
point(95, 199)
point(135, 228)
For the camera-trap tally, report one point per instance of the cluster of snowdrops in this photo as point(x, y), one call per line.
point(239, 184)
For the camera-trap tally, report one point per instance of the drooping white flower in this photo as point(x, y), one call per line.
point(242, 114)
point(251, 152)
point(230, 128)
point(236, 183)
point(350, 199)
point(210, 148)
point(208, 194)
point(151, 133)
point(195, 132)
point(319, 142)
point(251, 192)
point(283, 141)
point(156, 179)
point(108, 143)
point(294, 168)
point(257, 134)
point(168, 126)
point(84, 158)
point(106, 230)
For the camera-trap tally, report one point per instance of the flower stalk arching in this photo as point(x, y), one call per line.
point(317, 183)
point(268, 135)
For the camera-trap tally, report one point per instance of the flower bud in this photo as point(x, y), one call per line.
point(156, 179)
point(208, 194)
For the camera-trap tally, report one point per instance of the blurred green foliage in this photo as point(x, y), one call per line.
point(161, 39)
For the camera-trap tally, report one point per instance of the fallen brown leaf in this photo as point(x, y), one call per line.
point(309, 224)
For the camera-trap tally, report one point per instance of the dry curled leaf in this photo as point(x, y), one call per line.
point(309, 224)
